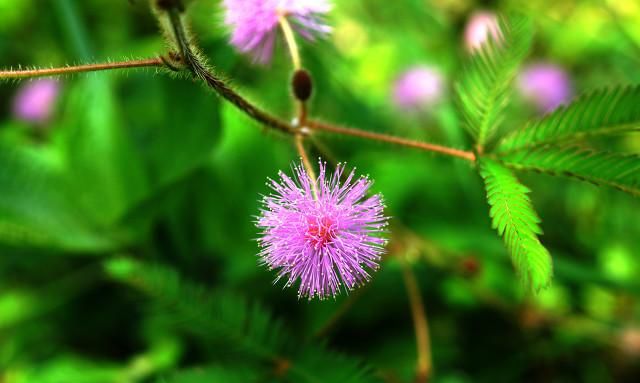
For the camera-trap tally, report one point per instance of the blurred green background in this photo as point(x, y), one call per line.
point(137, 165)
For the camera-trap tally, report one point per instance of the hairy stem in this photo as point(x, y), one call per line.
point(423, 344)
point(31, 73)
point(199, 70)
point(321, 126)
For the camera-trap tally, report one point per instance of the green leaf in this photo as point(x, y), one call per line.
point(212, 374)
point(515, 219)
point(606, 111)
point(37, 205)
point(105, 170)
point(483, 91)
point(621, 171)
point(221, 316)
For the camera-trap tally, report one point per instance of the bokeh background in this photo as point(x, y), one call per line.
point(138, 165)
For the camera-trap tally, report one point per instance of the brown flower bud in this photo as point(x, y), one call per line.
point(302, 85)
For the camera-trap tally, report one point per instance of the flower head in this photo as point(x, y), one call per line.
point(545, 85)
point(324, 232)
point(418, 87)
point(480, 27)
point(255, 22)
point(35, 100)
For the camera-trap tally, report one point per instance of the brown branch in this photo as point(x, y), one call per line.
point(321, 126)
point(424, 366)
point(30, 73)
point(199, 70)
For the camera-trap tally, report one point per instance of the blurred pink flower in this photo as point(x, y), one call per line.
point(35, 101)
point(546, 85)
point(418, 87)
point(255, 22)
point(480, 26)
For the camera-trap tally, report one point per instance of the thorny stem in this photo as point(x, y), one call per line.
point(424, 366)
point(317, 125)
point(299, 141)
point(199, 70)
point(31, 73)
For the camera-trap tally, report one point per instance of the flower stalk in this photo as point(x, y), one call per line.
point(420, 323)
point(299, 142)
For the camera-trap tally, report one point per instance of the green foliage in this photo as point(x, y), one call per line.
point(602, 112)
point(155, 166)
point(221, 316)
point(484, 89)
point(621, 171)
point(214, 374)
point(515, 219)
point(37, 205)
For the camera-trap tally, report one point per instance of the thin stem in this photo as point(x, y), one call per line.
point(299, 140)
point(30, 73)
point(302, 113)
point(338, 314)
point(199, 70)
point(290, 40)
point(423, 344)
point(289, 37)
point(317, 125)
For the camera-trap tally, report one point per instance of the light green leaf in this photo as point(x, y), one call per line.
point(37, 205)
point(516, 221)
point(483, 91)
point(621, 171)
point(607, 111)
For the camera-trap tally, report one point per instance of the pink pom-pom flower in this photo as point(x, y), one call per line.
point(254, 23)
point(324, 232)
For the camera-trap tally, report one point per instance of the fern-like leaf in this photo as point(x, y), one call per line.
point(621, 171)
point(516, 221)
point(606, 111)
point(238, 374)
point(483, 91)
point(223, 317)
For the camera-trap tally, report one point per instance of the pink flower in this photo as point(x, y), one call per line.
point(419, 87)
point(255, 22)
point(546, 85)
point(35, 100)
point(327, 241)
point(480, 26)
